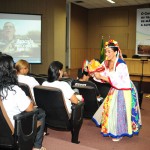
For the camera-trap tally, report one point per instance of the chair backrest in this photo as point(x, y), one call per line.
point(26, 89)
point(51, 100)
point(102, 87)
point(40, 79)
point(90, 98)
point(136, 56)
point(124, 55)
point(67, 79)
point(24, 131)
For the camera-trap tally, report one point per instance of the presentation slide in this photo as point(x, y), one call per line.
point(143, 32)
point(20, 36)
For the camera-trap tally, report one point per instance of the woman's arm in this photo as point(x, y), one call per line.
point(30, 107)
point(74, 99)
point(98, 76)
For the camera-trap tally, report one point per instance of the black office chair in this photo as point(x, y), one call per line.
point(67, 79)
point(52, 101)
point(40, 79)
point(22, 136)
point(90, 99)
point(136, 56)
point(124, 55)
point(26, 89)
point(102, 87)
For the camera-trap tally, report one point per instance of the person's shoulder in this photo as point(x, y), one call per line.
point(120, 61)
point(63, 83)
point(80, 83)
point(45, 83)
point(17, 88)
point(90, 83)
point(25, 77)
point(30, 77)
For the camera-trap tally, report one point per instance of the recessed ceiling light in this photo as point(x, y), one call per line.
point(111, 1)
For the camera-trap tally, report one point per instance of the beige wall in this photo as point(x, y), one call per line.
point(87, 27)
point(78, 35)
point(119, 23)
point(53, 27)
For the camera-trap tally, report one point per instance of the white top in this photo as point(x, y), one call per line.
point(30, 81)
point(66, 90)
point(16, 102)
point(119, 77)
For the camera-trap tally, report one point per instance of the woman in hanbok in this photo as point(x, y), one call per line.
point(119, 115)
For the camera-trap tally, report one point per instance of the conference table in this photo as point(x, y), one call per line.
point(139, 69)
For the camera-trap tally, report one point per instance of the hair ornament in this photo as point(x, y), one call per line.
point(85, 66)
point(111, 42)
point(115, 44)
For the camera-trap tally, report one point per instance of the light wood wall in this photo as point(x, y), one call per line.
point(78, 36)
point(88, 27)
point(138, 68)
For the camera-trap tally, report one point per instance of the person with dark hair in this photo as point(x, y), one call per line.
point(14, 98)
point(83, 80)
point(55, 72)
point(119, 115)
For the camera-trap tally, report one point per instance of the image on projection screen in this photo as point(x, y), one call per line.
point(20, 36)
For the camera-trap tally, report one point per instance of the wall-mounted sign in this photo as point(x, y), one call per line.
point(143, 32)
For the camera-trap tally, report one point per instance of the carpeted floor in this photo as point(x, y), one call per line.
point(91, 139)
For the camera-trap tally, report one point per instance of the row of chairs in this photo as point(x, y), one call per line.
point(57, 117)
point(88, 93)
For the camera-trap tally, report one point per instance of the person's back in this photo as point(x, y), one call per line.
point(83, 80)
point(55, 72)
point(22, 68)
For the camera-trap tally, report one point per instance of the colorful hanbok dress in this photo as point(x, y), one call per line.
point(119, 115)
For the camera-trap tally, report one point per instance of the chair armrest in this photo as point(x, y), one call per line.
point(77, 112)
point(25, 114)
point(75, 106)
point(76, 120)
point(26, 129)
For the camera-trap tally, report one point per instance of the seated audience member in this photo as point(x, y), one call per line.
point(55, 72)
point(65, 74)
point(14, 99)
point(83, 80)
point(22, 67)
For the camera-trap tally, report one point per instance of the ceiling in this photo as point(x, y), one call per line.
point(92, 4)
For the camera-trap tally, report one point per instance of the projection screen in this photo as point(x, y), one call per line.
point(20, 36)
